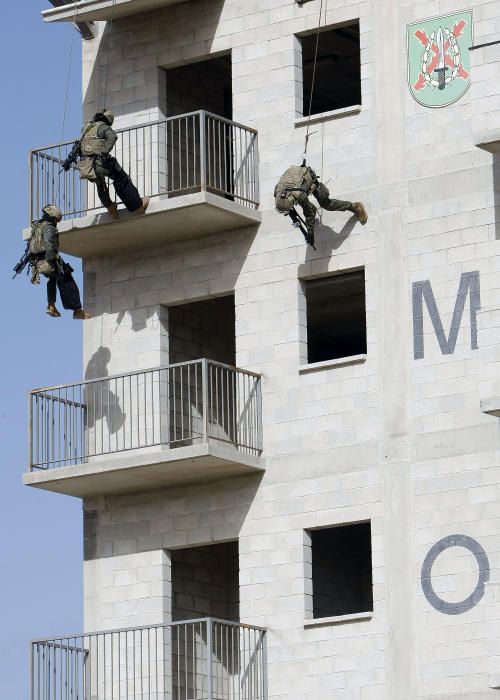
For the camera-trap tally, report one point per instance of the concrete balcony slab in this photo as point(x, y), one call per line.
point(102, 10)
point(146, 469)
point(166, 220)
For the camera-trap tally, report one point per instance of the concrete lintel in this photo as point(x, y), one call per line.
point(143, 470)
point(166, 220)
point(102, 10)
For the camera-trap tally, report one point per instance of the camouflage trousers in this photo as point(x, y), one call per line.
point(124, 187)
point(322, 195)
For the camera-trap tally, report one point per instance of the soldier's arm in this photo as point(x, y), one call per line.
point(51, 242)
point(110, 137)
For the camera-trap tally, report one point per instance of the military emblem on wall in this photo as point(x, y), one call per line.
point(438, 59)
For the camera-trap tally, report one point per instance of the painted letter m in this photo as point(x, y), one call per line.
point(422, 291)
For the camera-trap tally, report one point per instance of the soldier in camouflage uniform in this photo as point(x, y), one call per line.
point(95, 164)
point(44, 258)
point(295, 186)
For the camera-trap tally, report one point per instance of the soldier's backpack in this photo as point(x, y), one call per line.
point(36, 243)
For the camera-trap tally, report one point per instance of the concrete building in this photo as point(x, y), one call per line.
point(328, 512)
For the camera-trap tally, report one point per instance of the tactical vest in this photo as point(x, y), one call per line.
point(91, 144)
point(36, 243)
point(294, 181)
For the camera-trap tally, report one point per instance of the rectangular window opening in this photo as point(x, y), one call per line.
point(203, 329)
point(201, 85)
point(341, 570)
point(337, 82)
point(200, 399)
point(205, 582)
point(336, 316)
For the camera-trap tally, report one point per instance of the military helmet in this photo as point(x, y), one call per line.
point(283, 205)
point(108, 115)
point(53, 211)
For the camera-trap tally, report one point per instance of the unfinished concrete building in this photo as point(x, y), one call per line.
point(288, 458)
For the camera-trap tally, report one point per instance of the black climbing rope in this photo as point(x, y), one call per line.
point(306, 142)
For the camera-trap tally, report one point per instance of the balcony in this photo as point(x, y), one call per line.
point(101, 10)
point(206, 659)
point(200, 170)
point(169, 426)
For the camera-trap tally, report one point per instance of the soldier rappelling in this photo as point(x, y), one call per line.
point(91, 154)
point(42, 254)
point(295, 186)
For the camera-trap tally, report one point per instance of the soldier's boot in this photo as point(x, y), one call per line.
point(52, 311)
point(145, 205)
point(360, 211)
point(81, 315)
point(113, 211)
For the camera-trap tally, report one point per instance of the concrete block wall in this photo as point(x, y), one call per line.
point(397, 440)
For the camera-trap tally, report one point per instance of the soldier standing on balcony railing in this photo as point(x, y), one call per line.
point(95, 164)
point(44, 258)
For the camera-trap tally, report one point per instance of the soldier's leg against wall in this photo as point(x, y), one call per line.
point(322, 194)
point(309, 213)
point(123, 185)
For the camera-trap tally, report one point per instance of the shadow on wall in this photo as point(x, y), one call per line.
point(139, 318)
point(148, 533)
point(327, 240)
point(496, 192)
point(101, 401)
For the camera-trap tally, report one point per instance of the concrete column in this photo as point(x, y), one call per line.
point(393, 333)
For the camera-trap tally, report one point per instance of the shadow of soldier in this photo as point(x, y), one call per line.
point(328, 240)
point(101, 402)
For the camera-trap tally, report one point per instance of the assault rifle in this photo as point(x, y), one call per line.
point(72, 156)
point(298, 222)
point(25, 259)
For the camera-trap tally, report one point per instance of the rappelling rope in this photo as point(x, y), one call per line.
point(66, 95)
point(312, 82)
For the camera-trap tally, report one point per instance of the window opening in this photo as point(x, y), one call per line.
point(202, 329)
point(341, 560)
point(337, 82)
point(336, 316)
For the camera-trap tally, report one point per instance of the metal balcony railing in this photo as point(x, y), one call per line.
point(174, 406)
point(205, 659)
point(179, 155)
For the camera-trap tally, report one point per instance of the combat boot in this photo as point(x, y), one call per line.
point(142, 209)
point(360, 211)
point(81, 315)
point(52, 311)
point(113, 211)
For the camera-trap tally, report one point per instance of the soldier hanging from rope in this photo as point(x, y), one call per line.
point(295, 186)
point(42, 255)
point(92, 157)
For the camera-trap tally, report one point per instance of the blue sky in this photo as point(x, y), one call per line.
point(40, 533)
